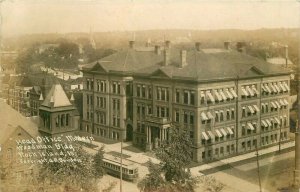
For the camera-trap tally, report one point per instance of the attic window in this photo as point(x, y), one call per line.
point(19, 134)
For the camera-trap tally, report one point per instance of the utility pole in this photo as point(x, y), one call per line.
point(121, 171)
point(258, 171)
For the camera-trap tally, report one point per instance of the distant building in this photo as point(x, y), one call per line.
point(227, 101)
point(280, 61)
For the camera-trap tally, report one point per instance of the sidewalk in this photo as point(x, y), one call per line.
point(241, 157)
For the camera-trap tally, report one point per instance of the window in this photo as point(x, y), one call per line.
point(186, 97)
point(202, 97)
point(143, 91)
point(185, 117)
point(243, 111)
point(177, 96)
point(192, 98)
point(149, 109)
point(150, 92)
point(162, 94)
point(116, 87)
point(138, 90)
point(177, 116)
point(232, 113)
point(191, 118)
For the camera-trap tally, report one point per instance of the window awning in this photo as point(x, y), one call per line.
point(277, 120)
point(211, 135)
point(229, 94)
point(223, 132)
point(282, 86)
point(256, 108)
point(204, 136)
point(281, 102)
point(250, 91)
point(264, 123)
point(263, 88)
point(219, 98)
point(274, 105)
point(209, 115)
point(244, 92)
point(233, 92)
point(203, 116)
point(250, 126)
point(251, 109)
point(268, 88)
point(286, 86)
point(211, 98)
point(269, 122)
point(286, 102)
point(276, 87)
point(223, 95)
point(229, 130)
point(273, 88)
point(218, 133)
point(276, 102)
point(254, 90)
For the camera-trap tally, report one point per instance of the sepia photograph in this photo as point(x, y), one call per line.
point(149, 95)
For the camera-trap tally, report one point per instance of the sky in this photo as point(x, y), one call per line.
point(63, 16)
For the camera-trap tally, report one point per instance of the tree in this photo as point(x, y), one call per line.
point(72, 176)
point(210, 184)
point(172, 173)
point(98, 163)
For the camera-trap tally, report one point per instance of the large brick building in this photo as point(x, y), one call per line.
point(228, 101)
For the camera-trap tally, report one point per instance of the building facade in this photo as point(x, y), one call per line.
point(228, 102)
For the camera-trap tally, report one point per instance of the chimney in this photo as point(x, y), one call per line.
point(227, 45)
point(131, 44)
point(167, 44)
point(51, 101)
point(148, 43)
point(166, 57)
point(157, 49)
point(297, 156)
point(286, 47)
point(183, 58)
point(197, 46)
point(72, 98)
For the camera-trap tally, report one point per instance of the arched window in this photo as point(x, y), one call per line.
point(67, 119)
point(62, 120)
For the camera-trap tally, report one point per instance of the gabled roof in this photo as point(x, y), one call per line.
point(11, 119)
point(58, 96)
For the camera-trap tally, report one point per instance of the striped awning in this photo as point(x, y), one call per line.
point(277, 120)
point(229, 130)
point(254, 89)
point(249, 91)
point(274, 105)
point(219, 98)
point(251, 109)
point(244, 92)
point(276, 102)
point(229, 94)
point(203, 116)
point(256, 108)
point(282, 86)
point(223, 132)
point(210, 134)
point(269, 122)
point(204, 136)
point(218, 133)
point(286, 86)
point(211, 98)
point(264, 123)
point(209, 115)
point(250, 126)
point(233, 92)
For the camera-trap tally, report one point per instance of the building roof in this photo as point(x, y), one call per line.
point(58, 96)
point(10, 119)
point(203, 65)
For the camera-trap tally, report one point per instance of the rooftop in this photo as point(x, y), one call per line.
point(11, 119)
point(201, 65)
point(57, 96)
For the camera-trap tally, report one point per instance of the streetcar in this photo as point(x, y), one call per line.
point(112, 166)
